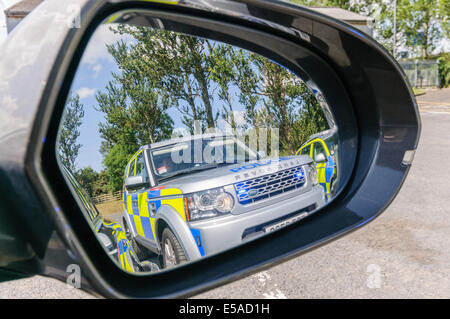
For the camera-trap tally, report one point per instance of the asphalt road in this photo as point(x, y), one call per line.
point(402, 254)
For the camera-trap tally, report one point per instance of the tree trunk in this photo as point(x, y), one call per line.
point(425, 43)
point(206, 101)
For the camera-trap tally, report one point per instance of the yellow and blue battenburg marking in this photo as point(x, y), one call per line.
point(142, 207)
point(325, 173)
point(198, 240)
point(125, 252)
point(325, 170)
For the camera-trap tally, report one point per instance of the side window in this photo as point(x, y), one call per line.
point(140, 167)
point(318, 148)
point(306, 150)
point(131, 168)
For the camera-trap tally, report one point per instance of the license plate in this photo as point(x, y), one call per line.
point(284, 223)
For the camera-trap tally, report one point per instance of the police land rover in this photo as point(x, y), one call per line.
point(322, 147)
point(181, 205)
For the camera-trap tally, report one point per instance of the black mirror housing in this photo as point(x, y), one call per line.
point(373, 106)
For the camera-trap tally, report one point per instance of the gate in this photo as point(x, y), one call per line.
point(422, 74)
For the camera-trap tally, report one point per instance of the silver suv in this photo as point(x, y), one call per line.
point(189, 197)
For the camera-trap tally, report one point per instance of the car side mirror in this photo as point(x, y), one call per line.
point(320, 158)
point(365, 99)
point(135, 182)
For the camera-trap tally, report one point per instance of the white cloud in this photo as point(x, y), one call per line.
point(85, 92)
point(96, 49)
point(96, 68)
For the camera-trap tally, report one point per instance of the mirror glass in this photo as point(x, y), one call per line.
point(178, 147)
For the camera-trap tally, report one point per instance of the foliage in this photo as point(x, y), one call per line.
point(87, 178)
point(115, 162)
point(179, 67)
point(101, 185)
point(286, 102)
point(421, 24)
point(344, 4)
point(226, 71)
point(444, 70)
point(67, 142)
point(94, 183)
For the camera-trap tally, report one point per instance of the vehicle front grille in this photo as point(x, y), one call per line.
point(270, 185)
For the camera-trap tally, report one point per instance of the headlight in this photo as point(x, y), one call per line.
point(313, 174)
point(207, 204)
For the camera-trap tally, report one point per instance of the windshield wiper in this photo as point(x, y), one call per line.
point(194, 170)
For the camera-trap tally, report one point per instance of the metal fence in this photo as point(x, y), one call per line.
point(422, 74)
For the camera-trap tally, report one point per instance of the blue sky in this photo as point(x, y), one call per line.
point(93, 75)
point(86, 86)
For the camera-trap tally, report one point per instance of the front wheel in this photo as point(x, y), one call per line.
point(172, 252)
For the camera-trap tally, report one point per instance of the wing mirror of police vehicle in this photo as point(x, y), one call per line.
point(320, 158)
point(186, 95)
point(135, 182)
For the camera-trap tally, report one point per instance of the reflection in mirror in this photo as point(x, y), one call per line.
point(177, 147)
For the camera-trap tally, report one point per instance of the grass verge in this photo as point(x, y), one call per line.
point(110, 208)
point(418, 91)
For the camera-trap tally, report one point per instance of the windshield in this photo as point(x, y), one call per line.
point(197, 155)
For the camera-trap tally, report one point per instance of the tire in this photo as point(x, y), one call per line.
point(142, 253)
point(172, 252)
point(333, 186)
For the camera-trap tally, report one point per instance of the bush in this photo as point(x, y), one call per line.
point(444, 70)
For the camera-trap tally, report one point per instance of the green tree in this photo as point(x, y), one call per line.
point(87, 178)
point(135, 111)
point(308, 121)
point(281, 89)
point(183, 66)
point(69, 132)
point(224, 73)
point(101, 184)
point(276, 98)
point(345, 4)
point(421, 24)
point(444, 70)
point(115, 162)
point(134, 106)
